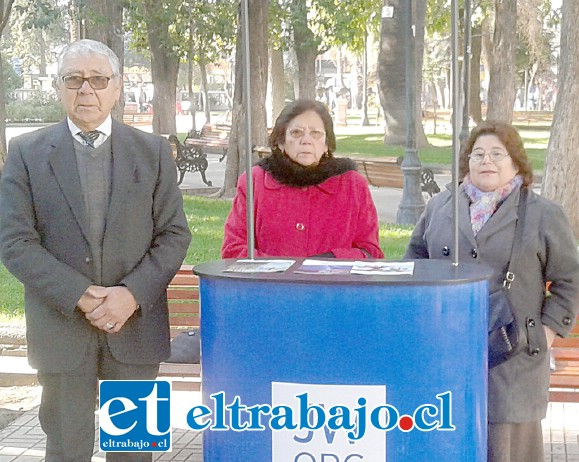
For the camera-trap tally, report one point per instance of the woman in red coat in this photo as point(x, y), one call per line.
point(307, 202)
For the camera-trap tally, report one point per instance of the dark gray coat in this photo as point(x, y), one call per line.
point(518, 389)
point(43, 242)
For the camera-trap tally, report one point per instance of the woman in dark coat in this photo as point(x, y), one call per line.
point(494, 167)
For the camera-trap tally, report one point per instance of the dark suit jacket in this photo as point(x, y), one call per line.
point(43, 242)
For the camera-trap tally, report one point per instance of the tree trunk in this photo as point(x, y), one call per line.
point(192, 105)
point(42, 50)
point(104, 22)
point(236, 152)
point(277, 84)
point(5, 10)
point(164, 70)
point(562, 163)
point(3, 147)
point(306, 48)
point(420, 15)
point(192, 99)
point(502, 88)
point(392, 72)
point(205, 90)
point(474, 97)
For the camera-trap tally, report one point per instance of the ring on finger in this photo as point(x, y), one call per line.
point(110, 326)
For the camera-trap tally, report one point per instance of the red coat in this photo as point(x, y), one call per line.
point(335, 216)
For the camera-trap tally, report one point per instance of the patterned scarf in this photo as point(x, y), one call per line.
point(484, 204)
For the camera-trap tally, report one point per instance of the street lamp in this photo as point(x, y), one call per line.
point(412, 203)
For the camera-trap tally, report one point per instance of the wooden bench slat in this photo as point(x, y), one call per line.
point(566, 354)
point(185, 307)
point(564, 381)
point(385, 172)
point(137, 119)
point(183, 294)
point(567, 342)
point(185, 321)
point(184, 280)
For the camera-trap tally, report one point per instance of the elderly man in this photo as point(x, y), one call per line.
point(92, 223)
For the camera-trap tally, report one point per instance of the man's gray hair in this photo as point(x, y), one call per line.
point(87, 47)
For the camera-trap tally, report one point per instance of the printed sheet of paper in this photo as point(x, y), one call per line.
point(311, 266)
point(260, 266)
point(385, 268)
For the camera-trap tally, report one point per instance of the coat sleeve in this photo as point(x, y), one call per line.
point(21, 247)
point(366, 240)
point(235, 230)
point(234, 233)
point(562, 269)
point(418, 246)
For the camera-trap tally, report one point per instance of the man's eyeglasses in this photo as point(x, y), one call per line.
point(74, 82)
point(494, 156)
point(298, 133)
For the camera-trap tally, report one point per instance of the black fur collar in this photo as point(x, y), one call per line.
point(287, 172)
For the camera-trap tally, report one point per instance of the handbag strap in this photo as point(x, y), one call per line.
point(518, 240)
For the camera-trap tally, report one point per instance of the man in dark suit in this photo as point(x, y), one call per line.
point(92, 223)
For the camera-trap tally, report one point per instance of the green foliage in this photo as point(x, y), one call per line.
point(42, 107)
point(37, 14)
point(36, 28)
point(201, 30)
point(11, 80)
point(330, 22)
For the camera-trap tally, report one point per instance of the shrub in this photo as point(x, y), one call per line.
point(42, 107)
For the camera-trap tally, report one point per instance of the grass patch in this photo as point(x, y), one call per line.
point(11, 296)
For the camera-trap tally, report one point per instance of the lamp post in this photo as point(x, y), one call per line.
point(412, 203)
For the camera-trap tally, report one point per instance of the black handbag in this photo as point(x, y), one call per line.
point(186, 348)
point(506, 333)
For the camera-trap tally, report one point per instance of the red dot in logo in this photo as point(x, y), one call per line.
point(405, 423)
point(154, 444)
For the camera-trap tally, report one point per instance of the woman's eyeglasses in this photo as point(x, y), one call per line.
point(299, 133)
point(494, 156)
point(74, 82)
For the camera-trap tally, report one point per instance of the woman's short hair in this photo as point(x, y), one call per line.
point(294, 109)
point(509, 136)
point(86, 47)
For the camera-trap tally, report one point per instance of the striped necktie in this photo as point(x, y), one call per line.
point(89, 137)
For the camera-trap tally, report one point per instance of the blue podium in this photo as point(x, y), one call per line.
point(345, 368)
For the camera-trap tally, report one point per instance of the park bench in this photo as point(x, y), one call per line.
point(564, 383)
point(188, 160)
point(183, 299)
point(385, 172)
point(135, 120)
point(211, 138)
